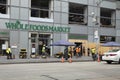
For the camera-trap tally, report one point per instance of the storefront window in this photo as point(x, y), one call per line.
point(45, 38)
point(3, 46)
point(33, 38)
point(104, 39)
point(1, 43)
point(40, 8)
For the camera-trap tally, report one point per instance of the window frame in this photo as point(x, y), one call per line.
point(7, 14)
point(106, 38)
point(83, 17)
point(108, 18)
point(44, 19)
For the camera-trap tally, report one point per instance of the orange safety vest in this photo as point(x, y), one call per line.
point(78, 50)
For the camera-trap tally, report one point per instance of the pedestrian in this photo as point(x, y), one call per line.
point(66, 53)
point(78, 50)
point(88, 51)
point(44, 54)
point(70, 51)
point(9, 53)
point(84, 51)
point(74, 51)
point(94, 56)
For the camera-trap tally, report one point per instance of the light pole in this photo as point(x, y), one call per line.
point(95, 19)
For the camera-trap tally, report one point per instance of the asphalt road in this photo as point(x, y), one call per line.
point(60, 71)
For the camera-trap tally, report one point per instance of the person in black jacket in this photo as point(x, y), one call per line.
point(66, 53)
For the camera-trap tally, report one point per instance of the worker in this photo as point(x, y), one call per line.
point(9, 53)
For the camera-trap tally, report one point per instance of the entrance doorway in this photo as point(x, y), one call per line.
point(37, 40)
point(3, 46)
point(79, 44)
point(83, 45)
point(44, 39)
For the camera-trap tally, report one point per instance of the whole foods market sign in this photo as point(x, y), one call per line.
point(19, 26)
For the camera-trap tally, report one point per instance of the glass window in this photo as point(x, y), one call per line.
point(45, 38)
point(40, 8)
point(3, 1)
point(33, 38)
point(77, 14)
point(107, 18)
point(3, 6)
point(104, 39)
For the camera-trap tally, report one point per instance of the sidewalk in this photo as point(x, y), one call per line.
point(3, 60)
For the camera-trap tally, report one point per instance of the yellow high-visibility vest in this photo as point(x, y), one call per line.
point(93, 50)
point(8, 50)
point(43, 49)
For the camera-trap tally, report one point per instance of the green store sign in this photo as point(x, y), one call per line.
point(4, 33)
point(18, 26)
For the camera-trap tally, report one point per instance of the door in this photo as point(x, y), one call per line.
point(3, 46)
point(37, 40)
point(44, 39)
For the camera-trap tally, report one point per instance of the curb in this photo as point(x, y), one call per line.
point(22, 62)
point(48, 60)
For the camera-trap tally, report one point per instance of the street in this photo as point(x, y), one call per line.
point(60, 71)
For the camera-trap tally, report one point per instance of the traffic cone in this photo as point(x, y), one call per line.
point(70, 60)
point(98, 58)
point(62, 59)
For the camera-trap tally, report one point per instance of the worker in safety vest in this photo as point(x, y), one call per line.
point(94, 56)
point(44, 51)
point(78, 49)
point(9, 53)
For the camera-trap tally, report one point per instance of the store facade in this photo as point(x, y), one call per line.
point(29, 36)
point(29, 24)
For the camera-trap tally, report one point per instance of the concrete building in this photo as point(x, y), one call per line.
point(28, 24)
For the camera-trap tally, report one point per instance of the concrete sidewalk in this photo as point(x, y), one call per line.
point(3, 60)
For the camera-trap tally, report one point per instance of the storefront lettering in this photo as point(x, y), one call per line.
point(19, 26)
point(4, 33)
